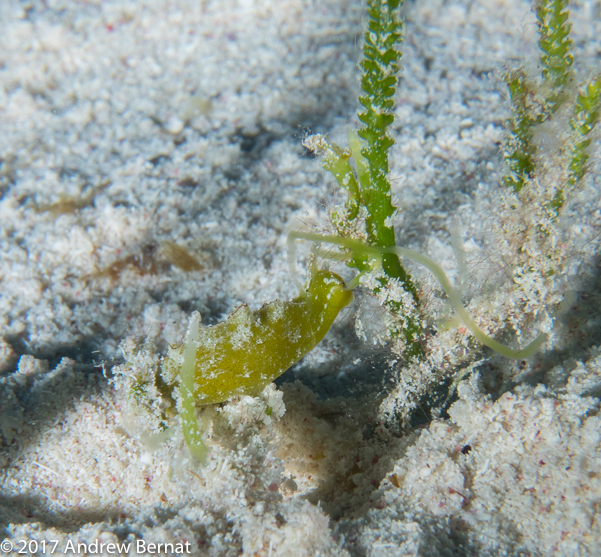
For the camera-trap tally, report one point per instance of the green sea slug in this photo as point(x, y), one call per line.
point(249, 350)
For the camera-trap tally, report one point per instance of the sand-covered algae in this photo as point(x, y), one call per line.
point(150, 261)
point(179, 256)
point(68, 204)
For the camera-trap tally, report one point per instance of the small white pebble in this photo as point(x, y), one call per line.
point(174, 125)
point(425, 472)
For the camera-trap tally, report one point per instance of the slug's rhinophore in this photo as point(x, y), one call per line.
point(252, 348)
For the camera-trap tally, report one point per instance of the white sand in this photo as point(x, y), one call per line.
point(181, 121)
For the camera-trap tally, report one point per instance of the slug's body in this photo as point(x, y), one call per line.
point(252, 348)
point(242, 355)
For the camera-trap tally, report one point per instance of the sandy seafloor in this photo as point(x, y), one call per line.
point(126, 125)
